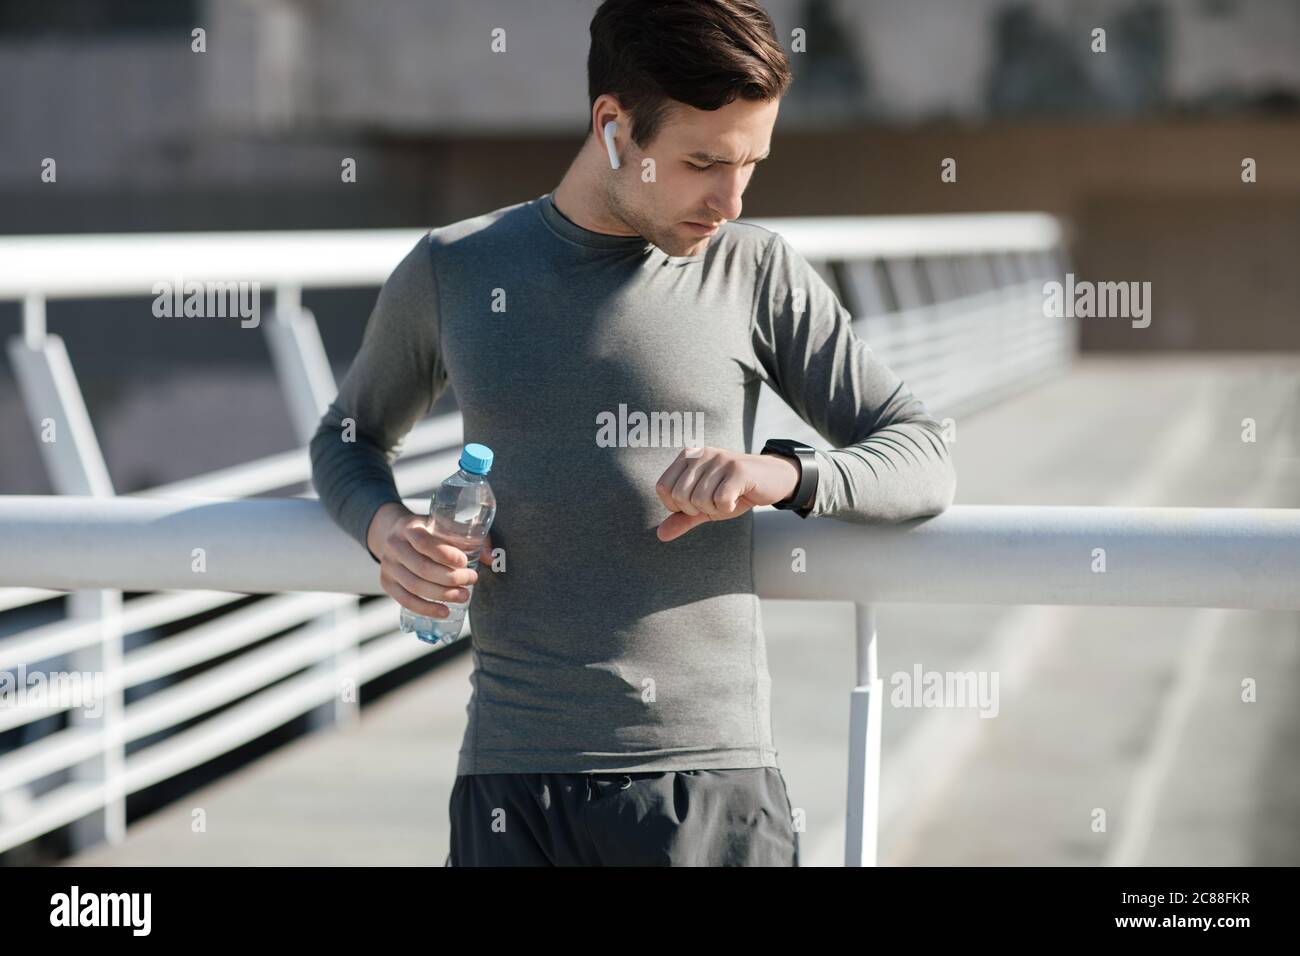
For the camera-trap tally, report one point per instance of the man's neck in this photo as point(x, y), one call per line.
point(580, 194)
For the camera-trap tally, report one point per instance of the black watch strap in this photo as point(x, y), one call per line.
point(802, 498)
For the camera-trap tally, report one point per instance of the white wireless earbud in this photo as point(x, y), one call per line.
point(610, 128)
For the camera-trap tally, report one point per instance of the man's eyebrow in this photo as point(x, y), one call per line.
point(705, 157)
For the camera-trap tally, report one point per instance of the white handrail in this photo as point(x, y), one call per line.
point(130, 263)
point(110, 264)
point(868, 237)
point(970, 554)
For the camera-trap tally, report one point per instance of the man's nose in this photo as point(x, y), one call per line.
point(725, 206)
point(726, 203)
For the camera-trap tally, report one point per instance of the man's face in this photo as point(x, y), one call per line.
point(703, 160)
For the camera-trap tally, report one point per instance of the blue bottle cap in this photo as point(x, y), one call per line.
point(476, 458)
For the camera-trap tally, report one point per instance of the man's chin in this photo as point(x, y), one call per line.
point(688, 247)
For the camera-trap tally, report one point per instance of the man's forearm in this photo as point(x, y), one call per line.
point(902, 471)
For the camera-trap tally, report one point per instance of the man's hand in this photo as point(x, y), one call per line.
point(416, 568)
point(713, 484)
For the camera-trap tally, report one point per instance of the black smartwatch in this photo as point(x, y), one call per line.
point(805, 494)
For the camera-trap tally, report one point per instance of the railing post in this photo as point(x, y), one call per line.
point(346, 662)
point(300, 362)
point(34, 320)
point(61, 425)
point(862, 823)
point(307, 381)
point(103, 660)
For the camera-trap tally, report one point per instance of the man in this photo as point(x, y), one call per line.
point(608, 341)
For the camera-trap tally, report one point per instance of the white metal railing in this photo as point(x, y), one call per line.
point(927, 274)
point(85, 266)
point(130, 263)
point(1188, 557)
point(1173, 557)
point(952, 303)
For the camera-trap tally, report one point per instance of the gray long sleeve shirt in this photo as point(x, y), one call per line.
point(586, 362)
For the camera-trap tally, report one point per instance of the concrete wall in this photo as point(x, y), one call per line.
point(415, 66)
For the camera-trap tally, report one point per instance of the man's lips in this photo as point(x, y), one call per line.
point(703, 227)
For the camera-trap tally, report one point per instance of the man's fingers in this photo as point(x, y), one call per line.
point(427, 590)
point(705, 497)
point(435, 546)
point(729, 498)
point(677, 524)
point(684, 489)
point(675, 485)
point(664, 486)
point(448, 565)
point(414, 602)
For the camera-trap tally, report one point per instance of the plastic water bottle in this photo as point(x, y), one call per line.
point(460, 513)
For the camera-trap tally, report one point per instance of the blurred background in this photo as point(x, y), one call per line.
point(1138, 150)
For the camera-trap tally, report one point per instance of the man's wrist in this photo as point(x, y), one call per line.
point(381, 523)
point(793, 470)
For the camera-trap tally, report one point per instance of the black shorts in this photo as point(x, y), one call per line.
point(739, 817)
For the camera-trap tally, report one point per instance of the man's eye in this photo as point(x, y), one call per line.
point(699, 169)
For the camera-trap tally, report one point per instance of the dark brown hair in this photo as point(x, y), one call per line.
point(704, 53)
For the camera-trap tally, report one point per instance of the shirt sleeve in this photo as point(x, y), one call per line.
point(889, 461)
point(393, 382)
